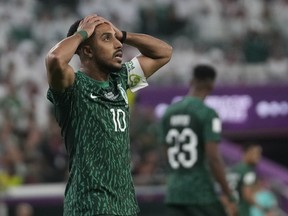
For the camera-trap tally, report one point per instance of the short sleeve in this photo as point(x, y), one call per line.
point(213, 128)
point(249, 178)
point(63, 98)
point(136, 77)
point(62, 101)
point(58, 98)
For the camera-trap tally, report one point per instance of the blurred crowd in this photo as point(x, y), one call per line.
point(246, 40)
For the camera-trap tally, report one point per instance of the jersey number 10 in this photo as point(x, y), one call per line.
point(182, 149)
point(119, 120)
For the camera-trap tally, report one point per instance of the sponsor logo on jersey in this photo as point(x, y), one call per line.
point(93, 96)
point(111, 96)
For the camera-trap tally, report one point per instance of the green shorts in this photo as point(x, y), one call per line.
point(119, 215)
point(213, 209)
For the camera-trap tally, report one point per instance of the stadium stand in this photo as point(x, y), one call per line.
point(246, 41)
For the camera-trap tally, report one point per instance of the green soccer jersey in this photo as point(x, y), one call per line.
point(238, 176)
point(187, 126)
point(94, 121)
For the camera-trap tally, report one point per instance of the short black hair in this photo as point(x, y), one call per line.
point(73, 28)
point(203, 72)
point(249, 145)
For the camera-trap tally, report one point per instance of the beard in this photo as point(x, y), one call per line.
point(109, 67)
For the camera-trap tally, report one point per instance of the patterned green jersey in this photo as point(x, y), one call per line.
point(94, 118)
point(187, 126)
point(238, 176)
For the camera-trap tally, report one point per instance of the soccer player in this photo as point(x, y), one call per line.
point(266, 199)
point(242, 178)
point(24, 209)
point(191, 133)
point(91, 108)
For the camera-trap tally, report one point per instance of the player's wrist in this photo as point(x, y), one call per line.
point(124, 37)
point(83, 34)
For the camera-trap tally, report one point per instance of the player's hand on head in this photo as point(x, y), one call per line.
point(89, 23)
point(117, 30)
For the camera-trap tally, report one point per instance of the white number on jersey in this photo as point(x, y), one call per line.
point(187, 156)
point(119, 119)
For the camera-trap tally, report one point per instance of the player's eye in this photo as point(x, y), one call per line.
point(107, 37)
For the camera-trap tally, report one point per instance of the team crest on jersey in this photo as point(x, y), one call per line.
point(111, 96)
point(123, 93)
point(134, 79)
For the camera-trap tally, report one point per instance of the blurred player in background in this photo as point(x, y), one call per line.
point(266, 199)
point(24, 209)
point(192, 134)
point(242, 178)
point(91, 107)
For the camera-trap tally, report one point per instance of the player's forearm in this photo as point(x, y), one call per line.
point(217, 168)
point(248, 194)
point(61, 54)
point(149, 46)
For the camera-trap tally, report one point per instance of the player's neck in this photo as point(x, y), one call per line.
point(95, 73)
point(198, 94)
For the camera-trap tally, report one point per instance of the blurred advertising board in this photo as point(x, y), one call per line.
point(241, 109)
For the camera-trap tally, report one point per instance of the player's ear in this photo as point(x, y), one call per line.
point(87, 51)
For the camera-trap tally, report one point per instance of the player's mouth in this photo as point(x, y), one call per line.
point(118, 55)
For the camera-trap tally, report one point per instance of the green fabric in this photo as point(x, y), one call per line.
point(211, 209)
point(94, 120)
point(186, 128)
point(236, 178)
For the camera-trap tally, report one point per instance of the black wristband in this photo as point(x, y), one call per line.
point(124, 35)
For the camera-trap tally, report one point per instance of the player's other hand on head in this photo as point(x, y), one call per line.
point(117, 30)
point(89, 23)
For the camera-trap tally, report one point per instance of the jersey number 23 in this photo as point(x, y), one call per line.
point(182, 149)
